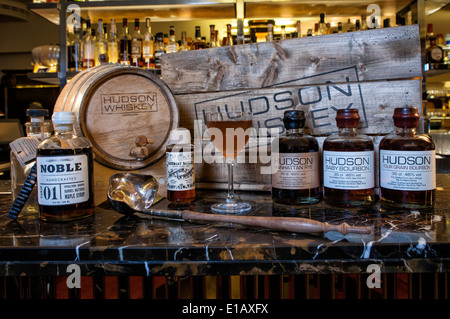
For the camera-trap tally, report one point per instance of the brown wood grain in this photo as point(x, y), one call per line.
point(391, 53)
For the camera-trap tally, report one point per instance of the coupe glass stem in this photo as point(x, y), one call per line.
point(230, 196)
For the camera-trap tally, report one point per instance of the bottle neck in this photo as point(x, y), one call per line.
point(63, 130)
point(291, 131)
point(347, 130)
point(408, 131)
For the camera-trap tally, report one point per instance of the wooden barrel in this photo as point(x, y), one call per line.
point(115, 105)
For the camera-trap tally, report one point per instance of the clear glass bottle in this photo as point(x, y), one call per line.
point(76, 61)
point(113, 43)
point(295, 166)
point(407, 164)
point(37, 130)
point(180, 167)
point(184, 45)
point(212, 36)
point(283, 32)
point(101, 45)
point(229, 40)
point(172, 46)
point(89, 46)
point(125, 44)
point(65, 173)
point(322, 26)
point(198, 43)
point(136, 46)
point(269, 36)
point(148, 46)
point(159, 49)
point(348, 164)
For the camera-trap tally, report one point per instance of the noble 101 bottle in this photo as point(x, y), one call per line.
point(65, 173)
point(295, 165)
point(348, 164)
point(407, 164)
point(180, 167)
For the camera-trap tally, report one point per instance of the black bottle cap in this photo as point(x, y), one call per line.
point(37, 112)
point(294, 119)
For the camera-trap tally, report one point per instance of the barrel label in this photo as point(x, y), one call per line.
point(120, 103)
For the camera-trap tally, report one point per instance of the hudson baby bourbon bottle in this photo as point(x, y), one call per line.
point(407, 164)
point(295, 165)
point(348, 164)
point(65, 173)
point(180, 167)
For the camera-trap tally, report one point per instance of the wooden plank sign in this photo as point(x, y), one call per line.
point(391, 53)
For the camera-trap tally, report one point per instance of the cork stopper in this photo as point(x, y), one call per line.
point(406, 117)
point(347, 118)
point(294, 119)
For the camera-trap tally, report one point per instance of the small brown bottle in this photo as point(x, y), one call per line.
point(295, 165)
point(180, 167)
point(348, 164)
point(407, 164)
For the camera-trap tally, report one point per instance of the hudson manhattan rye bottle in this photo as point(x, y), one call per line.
point(407, 164)
point(65, 173)
point(295, 166)
point(348, 164)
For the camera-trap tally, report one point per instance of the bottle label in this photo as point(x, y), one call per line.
point(436, 54)
point(180, 171)
point(62, 180)
point(348, 170)
point(408, 170)
point(24, 149)
point(136, 49)
point(295, 170)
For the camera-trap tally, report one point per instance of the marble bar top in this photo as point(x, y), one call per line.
point(109, 243)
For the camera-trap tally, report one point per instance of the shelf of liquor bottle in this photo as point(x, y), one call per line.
point(433, 69)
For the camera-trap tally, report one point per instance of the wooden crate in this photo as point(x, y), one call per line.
point(374, 71)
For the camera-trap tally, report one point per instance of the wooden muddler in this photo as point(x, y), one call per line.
point(289, 224)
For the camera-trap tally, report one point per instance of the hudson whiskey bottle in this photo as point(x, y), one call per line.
point(348, 164)
point(295, 165)
point(65, 173)
point(407, 164)
point(180, 167)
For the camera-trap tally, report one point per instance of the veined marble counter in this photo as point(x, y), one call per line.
point(109, 243)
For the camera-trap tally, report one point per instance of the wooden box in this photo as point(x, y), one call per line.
point(374, 71)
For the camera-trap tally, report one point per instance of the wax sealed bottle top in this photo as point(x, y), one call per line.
point(406, 117)
point(180, 135)
point(294, 119)
point(347, 118)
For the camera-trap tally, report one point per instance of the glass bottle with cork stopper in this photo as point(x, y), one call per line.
point(180, 167)
point(348, 164)
point(65, 173)
point(23, 155)
point(407, 164)
point(295, 164)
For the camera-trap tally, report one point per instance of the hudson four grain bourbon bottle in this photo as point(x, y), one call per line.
point(407, 164)
point(348, 164)
point(65, 173)
point(295, 166)
point(180, 167)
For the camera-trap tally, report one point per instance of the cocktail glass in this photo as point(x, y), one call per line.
point(230, 131)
